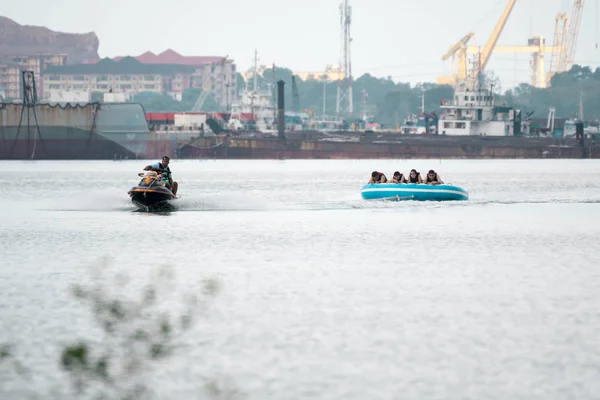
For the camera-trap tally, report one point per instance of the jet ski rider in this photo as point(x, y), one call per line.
point(162, 167)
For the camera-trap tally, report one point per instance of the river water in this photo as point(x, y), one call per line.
point(322, 295)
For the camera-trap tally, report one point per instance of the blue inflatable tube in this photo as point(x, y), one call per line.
point(413, 191)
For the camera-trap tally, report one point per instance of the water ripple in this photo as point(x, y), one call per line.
point(324, 295)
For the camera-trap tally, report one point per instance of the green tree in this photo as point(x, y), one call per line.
point(564, 94)
point(391, 102)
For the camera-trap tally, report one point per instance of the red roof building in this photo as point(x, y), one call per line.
point(170, 57)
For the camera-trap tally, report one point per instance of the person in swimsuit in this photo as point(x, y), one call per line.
point(414, 177)
point(433, 178)
point(377, 177)
point(398, 178)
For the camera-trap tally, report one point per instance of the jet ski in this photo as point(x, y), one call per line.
point(152, 192)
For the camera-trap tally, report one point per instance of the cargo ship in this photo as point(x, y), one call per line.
point(471, 126)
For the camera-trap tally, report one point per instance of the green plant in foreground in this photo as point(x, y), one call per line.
point(8, 361)
point(138, 332)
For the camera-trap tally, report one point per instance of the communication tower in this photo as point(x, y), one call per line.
point(344, 91)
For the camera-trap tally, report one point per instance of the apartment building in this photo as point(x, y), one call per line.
point(128, 76)
point(11, 67)
point(10, 79)
point(214, 74)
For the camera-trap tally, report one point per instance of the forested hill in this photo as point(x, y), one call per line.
point(389, 102)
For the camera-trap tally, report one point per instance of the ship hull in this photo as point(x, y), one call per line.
point(400, 146)
point(73, 132)
point(79, 146)
point(119, 131)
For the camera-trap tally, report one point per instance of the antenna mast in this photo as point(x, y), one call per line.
point(255, 71)
point(364, 107)
point(274, 108)
point(344, 92)
point(581, 106)
point(324, 97)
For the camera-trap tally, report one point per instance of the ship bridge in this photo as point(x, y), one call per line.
point(473, 112)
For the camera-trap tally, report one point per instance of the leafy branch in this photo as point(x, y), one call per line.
point(138, 332)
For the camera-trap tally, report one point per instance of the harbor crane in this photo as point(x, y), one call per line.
point(481, 61)
point(461, 74)
point(459, 69)
point(565, 36)
point(537, 47)
point(562, 50)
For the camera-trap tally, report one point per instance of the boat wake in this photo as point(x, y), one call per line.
point(548, 201)
point(113, 200)
point(99, 200)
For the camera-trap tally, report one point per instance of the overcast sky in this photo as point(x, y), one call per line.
point(404, 39)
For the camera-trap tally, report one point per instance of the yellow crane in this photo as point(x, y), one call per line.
point(480, 62)
point(460, 74)
point(565, 37)
point(562, 50)
point(537, 47)
point(459, 69)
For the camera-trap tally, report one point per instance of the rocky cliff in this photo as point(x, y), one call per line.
point(25, 40)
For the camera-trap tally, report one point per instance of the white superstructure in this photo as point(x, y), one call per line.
point(259, 103)
point(473, 112)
